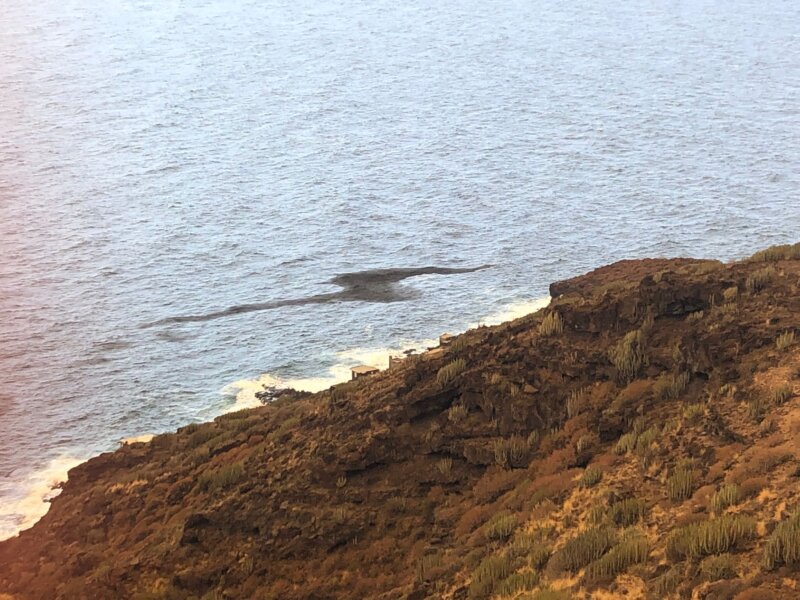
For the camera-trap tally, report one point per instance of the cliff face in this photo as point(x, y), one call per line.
point(637, 438)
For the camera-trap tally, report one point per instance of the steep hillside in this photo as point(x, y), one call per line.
point(638, 438)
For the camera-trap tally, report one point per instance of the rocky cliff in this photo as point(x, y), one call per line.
point(638, 438)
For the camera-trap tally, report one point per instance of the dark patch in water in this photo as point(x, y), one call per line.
point(374, 285)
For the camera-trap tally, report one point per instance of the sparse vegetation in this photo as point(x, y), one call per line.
point(671, 385)
point(447, 374)
point(591, 477)
point(783, 545)
point(427, 566)
point(576, 401)
point(445, 467)
point(716, 536)
point(784, 340)
point(694, 413)
point(781, 395)
point(628, 355)
point(551, 325)
point(457, 413)
point(222, 478)
point(758, 280)
point(511, 452)
point(775, 253)
point(518, 582)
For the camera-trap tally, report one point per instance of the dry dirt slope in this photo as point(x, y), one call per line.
point(636, 439)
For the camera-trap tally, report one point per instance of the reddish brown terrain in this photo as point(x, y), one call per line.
point(638, 438)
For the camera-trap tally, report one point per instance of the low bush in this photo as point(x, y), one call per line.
point(784, 340)
point(710, 537)
point(491, 571)
point(783, 545)
point(501, 527)
point(727, 495)
point(628, 355)
point(576, 402)
point(511, 452)
point(714, 568)
point(680, 484)
point(581, 550)
point(667, 582)
point(551, 325)
point(758, 280)
point(428, 566)
point(450, 371)
point(781, 395)
point(221, 478)
point(591, 477)
point(671, 386)
point(629, 551)
point(457, 413)
point(693, 413)
point(626, 443)
point(518, 582)
point(775, 253)
point(627, 512)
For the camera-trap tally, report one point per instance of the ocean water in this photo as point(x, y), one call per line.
point(163, 158)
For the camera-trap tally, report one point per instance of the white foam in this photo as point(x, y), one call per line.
point(245, 390)
point(36, 492)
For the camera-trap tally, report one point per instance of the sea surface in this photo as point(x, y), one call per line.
point(168, 158)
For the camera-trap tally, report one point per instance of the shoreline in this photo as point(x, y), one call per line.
point(44, 484)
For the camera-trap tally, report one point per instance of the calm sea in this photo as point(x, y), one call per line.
point(166, 158)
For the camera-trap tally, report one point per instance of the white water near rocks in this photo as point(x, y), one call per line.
point(160, 159)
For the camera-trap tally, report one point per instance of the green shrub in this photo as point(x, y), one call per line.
point(511, 452)
point(491, 571)
point(591, 477)
point(551, 325)
point(450, 371)
point(757, 281)
point(783, 545)
point(628, 355)
point(774, 253)
point(501, 527)
point(221, 478)
point(710, 537)
point(629, 551)
point(680, 484)
point(718, 567)
point(584, 548)
point(627, 512)
point(784, 340)
point(518, 582)
point(727, 495)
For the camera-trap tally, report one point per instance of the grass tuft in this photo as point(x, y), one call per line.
point(591, 477)
point(629, 551)
point(680, 484)
point(551, 325)
point(726, 496)
point(512, 452)
point(758, 281)
point(582, 549)
point(784, 340)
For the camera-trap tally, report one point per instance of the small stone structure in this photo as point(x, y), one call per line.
point(363, 370)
